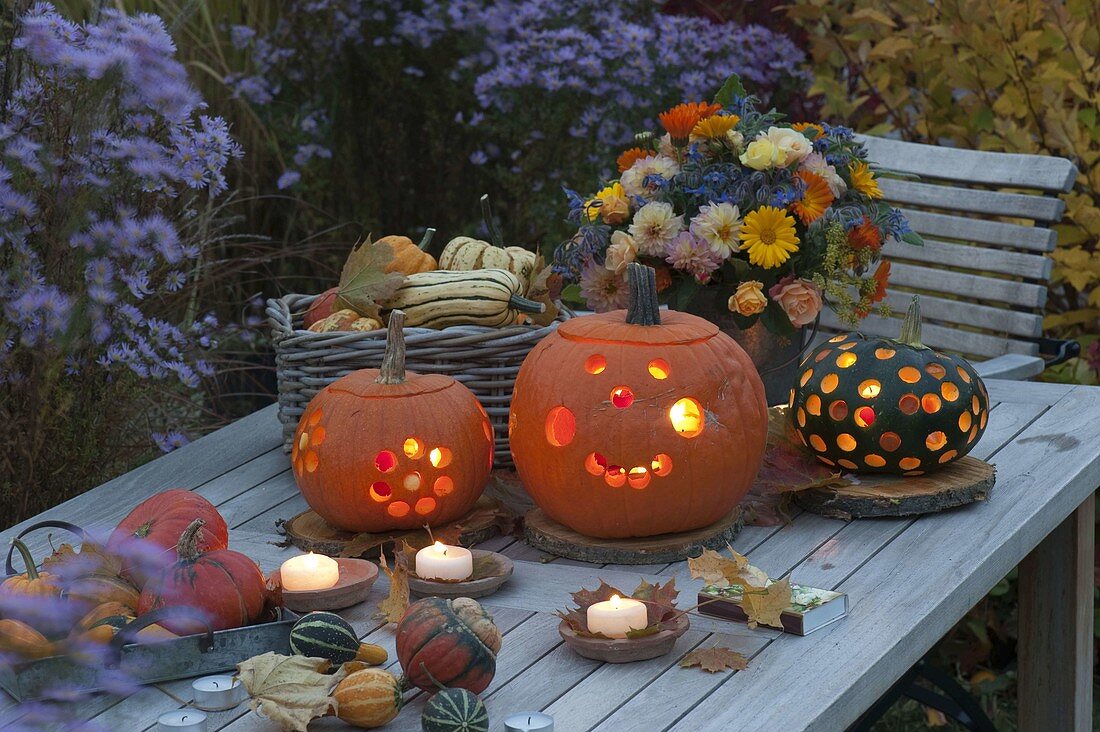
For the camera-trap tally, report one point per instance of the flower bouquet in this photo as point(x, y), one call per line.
point(781, 217)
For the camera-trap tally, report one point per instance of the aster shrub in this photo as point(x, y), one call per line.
point(108, 174)
point(415, 107)
point(775, 218)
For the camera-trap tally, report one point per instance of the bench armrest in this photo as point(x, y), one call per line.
point(1015, 366)
point(1055, 351)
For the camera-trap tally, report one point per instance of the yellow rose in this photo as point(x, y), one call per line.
point(763, 154)
point(749, 298)
point(611, 204)
point(620, 253)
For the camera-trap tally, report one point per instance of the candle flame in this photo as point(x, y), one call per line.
point(441, 548)
point(616, 602)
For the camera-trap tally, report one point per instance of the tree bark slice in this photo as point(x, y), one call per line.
point(964, 481)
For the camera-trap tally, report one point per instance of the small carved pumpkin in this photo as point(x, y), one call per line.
point(409, 257)
point(382, 449)
point(882, 405)
point(638, 422)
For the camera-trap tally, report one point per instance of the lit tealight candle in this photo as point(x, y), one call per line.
point(215, 693)
point(614, 618)
point(444, 562)
point(182, 720)
point(309, 572)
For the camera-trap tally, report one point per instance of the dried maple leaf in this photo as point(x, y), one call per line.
point(397, 602)
point(545, 287)
point(660, 600)
point(715, 659)
point(364, 283)
point(722, 571)
point(67, 563)
point(289, 690)
point(765, 605)
point(577, 618)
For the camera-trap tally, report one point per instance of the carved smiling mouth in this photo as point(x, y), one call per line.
point(638, 476)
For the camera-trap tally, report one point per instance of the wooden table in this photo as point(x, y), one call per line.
point(909, 581)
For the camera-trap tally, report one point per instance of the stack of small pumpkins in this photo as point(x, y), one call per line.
point(170, 552)
point(474, 282)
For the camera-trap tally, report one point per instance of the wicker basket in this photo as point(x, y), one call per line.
point(484, 359)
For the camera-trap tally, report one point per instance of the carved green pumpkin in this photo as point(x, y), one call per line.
point(880, 405)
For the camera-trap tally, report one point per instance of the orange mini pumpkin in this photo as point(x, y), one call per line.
point(382, 449)
point(637, 422)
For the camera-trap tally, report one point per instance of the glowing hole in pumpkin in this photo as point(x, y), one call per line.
point(319, 435)
point(865, 416)
point(398, 509)
point(965, 421)
point(838, 410)
point(909, 463)
point(875, 461)
point(511, 424)
point(801, 436)
point(443, 486)
point(311, 461)
point(659, 369)
point(846, 346)
point(686, 416)
point(837, 339)
point(847, 464)
point(638, 477)
point(822, 356)
point(908, 374)
point(829, 383)
point(846, 442)
point(962, 374)
point(315, 418)
point(889, 441)
point(948, 456)
point(615, 476)
point(950, 391)
point(488, 430)
point(790, 400)
point(385, 461)
point(813, 405)
point(869, 389)
point(817, 443)
point(973, 434)
point(595, 364)
point(381, 491)
point(883, 354)
point(981, 422)
point(801, 417)
point(975, 405)
point(303, 441)
point(936, 441)
point(930, 403)
point(595, 463)
point(825, 460)
point(846, 359)
point(439, 457)
point(909, 404)
point(622, 397)
point(425, 506)
point(561, 426)
point(935, 370)
point(413, 448)
point(805, 377)
point(411, 482)
point(661, 465)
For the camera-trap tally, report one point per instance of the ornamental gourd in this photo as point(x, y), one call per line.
point(383, 450)
point(454, 710)
point(18, 638)
point(322, 307)
point(637, 422)
point(368, 698)
point(884, 405)
point(326, 635)
point(489, 297)
point(225, 586)
point(32, 583)
point(467, 253)
point(451, 643)
point(408, 257)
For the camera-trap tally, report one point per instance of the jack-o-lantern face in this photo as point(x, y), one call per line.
point(375, 454)
point(621, 429)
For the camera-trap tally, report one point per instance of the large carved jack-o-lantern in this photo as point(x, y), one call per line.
point(382, 449)
point(637, 422)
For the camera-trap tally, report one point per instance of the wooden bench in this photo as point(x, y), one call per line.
point(983, 272)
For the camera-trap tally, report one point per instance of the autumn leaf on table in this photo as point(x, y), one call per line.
point(660, 600)
point(289, 690)
point(545, 287)
point(765, 605)
point(722, 571)
point(713, 660)
point(364, 283)
point(397, 602)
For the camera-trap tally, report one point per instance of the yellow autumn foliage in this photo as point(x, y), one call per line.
point(1009, 76)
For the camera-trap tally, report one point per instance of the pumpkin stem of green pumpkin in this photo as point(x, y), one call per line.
point(188, 546)
point(426, 240)
point(28, 560)
point(490, 223)
point(393, 361)
point(644, 308)
point(910, 327)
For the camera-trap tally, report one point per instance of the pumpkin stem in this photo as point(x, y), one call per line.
point(644, 308)
point(525, 305)
point(426, 240)
point(393, 362)
point(910, 327)
point(28, 560)
point(490, 223)
point(431, 678)
point(188, 546)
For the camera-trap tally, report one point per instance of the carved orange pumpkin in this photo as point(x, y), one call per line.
point(636, 423)
point(380, 449)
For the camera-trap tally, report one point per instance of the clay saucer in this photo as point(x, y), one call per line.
point(356, 578)
point(626, 650)
point(491, 570)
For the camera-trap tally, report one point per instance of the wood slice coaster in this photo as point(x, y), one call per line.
point(310, 533)
point(542, 532)
point(491, 570)
point(964, 481)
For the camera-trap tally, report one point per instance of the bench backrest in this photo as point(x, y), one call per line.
point(983, 272)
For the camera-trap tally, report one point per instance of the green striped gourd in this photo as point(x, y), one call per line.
point(455, 710)
point(490, 297)
point(326, 635)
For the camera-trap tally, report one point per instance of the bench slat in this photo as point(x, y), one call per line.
point(937, 336)
point(978, 230)
point(999, 321)
point(970, 286)
point(1031, 266)
point(973, 200)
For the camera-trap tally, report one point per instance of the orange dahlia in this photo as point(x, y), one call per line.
point(681, 119)
point(631, 156)
point(817, 198)
point(812, 130)
point(865, 236)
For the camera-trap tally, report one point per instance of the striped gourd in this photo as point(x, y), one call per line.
point(324, 635)
point(368, 698)
point(455, 710)
point(438, 299)
point(464, 253)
